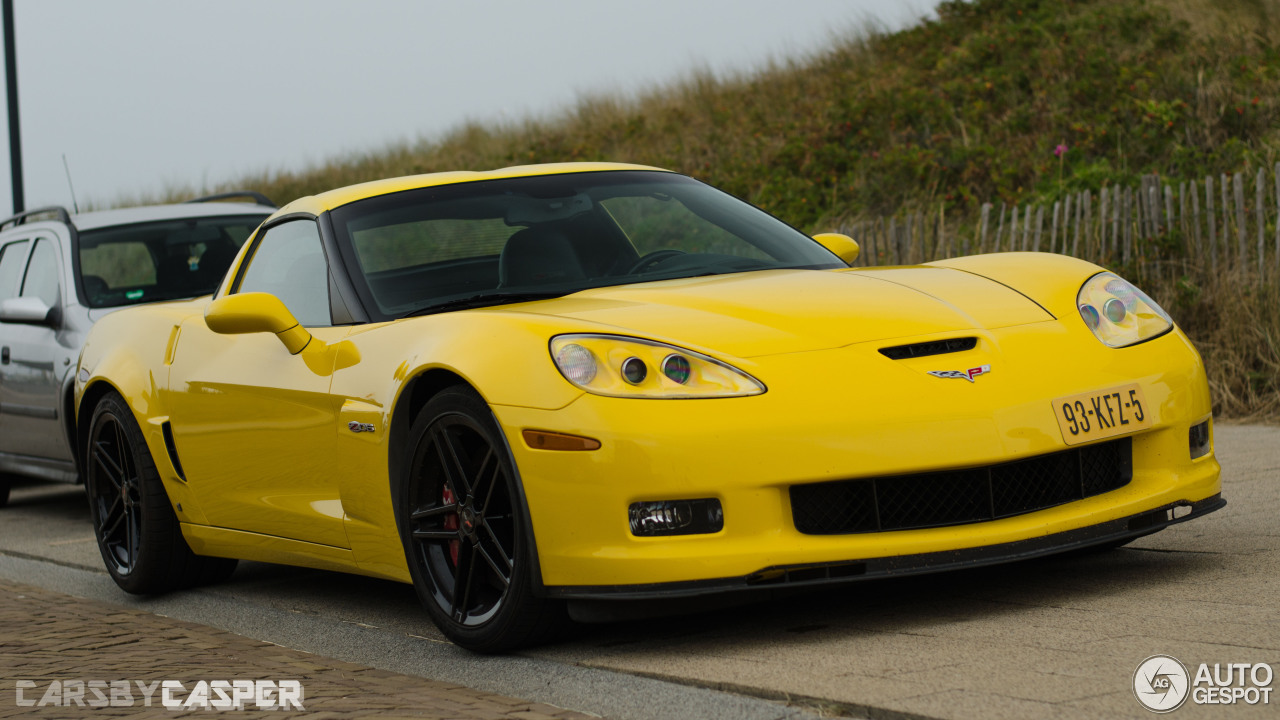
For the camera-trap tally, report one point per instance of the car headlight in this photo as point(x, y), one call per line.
point(1119, 313)
point(620, 366)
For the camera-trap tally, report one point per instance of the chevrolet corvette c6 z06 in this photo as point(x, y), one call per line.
point(557, 384)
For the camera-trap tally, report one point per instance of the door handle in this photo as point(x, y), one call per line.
point(4, 356)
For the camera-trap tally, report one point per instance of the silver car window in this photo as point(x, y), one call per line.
point(12, 256)
point(42, 274)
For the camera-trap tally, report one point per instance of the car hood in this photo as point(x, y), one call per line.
point(782, 311)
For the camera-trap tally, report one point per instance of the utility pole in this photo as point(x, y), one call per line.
point(11, 77)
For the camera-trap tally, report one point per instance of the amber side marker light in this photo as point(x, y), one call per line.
point(543, 440)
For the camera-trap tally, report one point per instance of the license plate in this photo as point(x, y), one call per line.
point(1102, 414)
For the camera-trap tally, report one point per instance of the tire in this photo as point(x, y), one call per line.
point(6, 482)
point(137, 531)
point(464, 530)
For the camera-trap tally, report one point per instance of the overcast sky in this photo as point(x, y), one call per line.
point(141, 95)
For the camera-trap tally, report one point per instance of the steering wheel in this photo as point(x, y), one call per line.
point(653, 258)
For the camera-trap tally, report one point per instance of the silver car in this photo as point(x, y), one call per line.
point(60, 272)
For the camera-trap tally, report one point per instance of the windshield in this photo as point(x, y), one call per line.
point(497, 241)
point(166, 260)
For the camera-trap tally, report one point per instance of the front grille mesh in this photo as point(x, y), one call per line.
point(957, 497)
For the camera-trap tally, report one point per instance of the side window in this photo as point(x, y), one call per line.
point(42, 274)
point(11, 258)
point(289, 263)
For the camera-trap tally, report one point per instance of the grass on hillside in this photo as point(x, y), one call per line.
point(958, 111)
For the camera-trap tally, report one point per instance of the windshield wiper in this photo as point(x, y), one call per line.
point(487, 299)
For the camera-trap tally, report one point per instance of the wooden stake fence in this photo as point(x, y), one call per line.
point(1136, 228)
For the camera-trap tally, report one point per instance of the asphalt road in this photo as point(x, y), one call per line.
point(1059, 637)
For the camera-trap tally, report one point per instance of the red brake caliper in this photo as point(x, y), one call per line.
point(451, 523)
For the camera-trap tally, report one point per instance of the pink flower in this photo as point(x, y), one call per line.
point(1060, 151)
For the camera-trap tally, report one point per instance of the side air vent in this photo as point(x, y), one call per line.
point(936, 347)
point(173, 450)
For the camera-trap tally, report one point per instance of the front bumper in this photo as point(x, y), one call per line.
point(1113, 531)
point(844, 414)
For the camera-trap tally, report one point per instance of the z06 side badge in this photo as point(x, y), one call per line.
point(359, 427)
point(969, 374)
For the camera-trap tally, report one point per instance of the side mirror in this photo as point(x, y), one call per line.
point(29, 311)
point(256, 312)
point(845, 247)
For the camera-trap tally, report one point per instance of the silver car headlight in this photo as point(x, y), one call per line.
point(1118, 313)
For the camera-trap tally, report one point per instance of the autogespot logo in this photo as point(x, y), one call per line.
point(1160, 683)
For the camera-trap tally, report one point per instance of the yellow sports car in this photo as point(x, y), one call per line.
point(534, 388)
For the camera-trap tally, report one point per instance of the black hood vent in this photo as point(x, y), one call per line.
point(924, 349)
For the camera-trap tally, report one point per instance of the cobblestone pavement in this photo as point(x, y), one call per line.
point(88, 646)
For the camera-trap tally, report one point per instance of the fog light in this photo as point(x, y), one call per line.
point(676, 517)
point(1199, 436)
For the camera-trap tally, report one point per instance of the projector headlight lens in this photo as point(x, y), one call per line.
point(677, 368)
point(634, 370)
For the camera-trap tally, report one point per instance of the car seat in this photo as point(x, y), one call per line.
point(538, 256)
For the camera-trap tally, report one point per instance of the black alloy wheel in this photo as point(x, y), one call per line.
point(462, 524)
point(137, 531)
point(116, 494)
point(463, 528)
